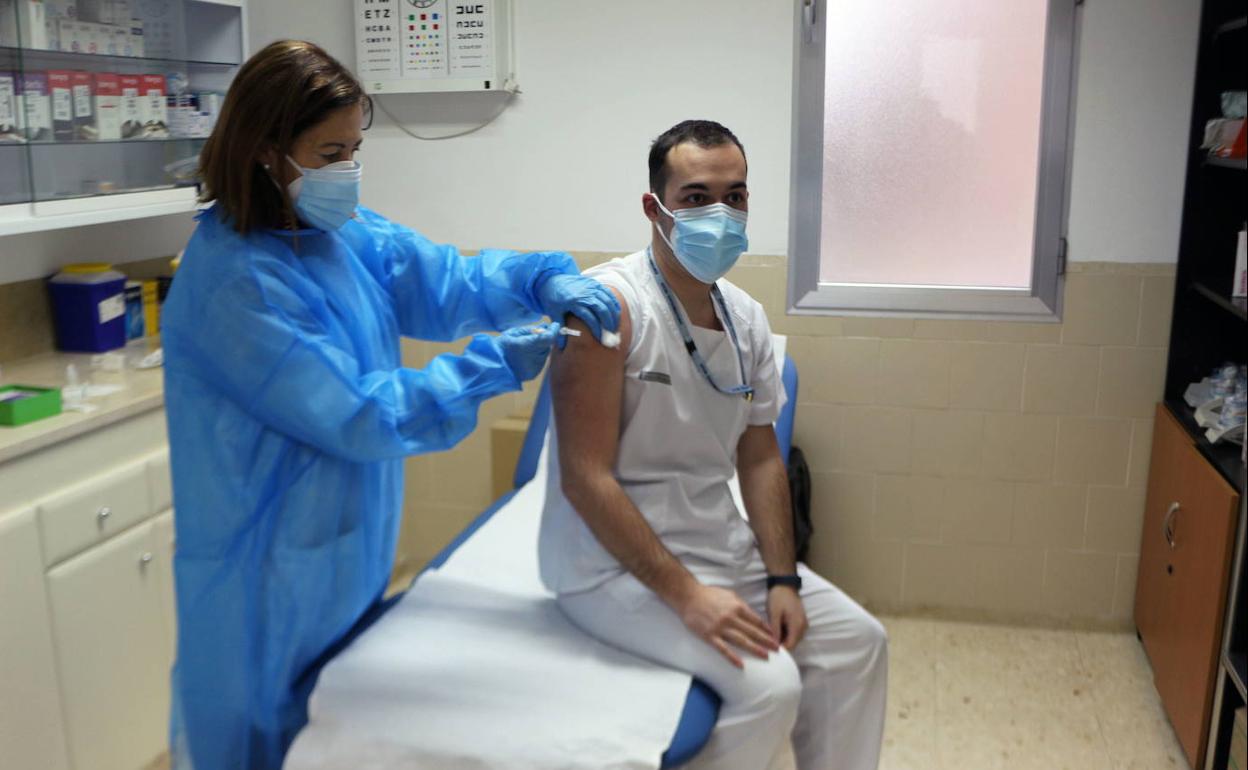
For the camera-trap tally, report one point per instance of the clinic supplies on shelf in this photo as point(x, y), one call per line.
point(89, 307)
point(80, 26)
point(78, 106)
point(1221, 403)
point(1224, 136)
point(1240, 286)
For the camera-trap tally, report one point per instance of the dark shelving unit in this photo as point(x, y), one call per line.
point(1210, 327)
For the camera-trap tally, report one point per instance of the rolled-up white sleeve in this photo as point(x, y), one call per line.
point(769, 395)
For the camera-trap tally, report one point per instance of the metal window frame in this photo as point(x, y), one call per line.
point(807, 295)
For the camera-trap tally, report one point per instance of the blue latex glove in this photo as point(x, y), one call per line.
point(526, 348)
point(561, 294)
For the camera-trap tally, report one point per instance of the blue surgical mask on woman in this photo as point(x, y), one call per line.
point(326, 197)
point(707, 240)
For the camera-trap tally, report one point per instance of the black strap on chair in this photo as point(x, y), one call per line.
point(799, 493)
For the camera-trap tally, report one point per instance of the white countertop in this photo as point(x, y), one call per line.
point(142, 390)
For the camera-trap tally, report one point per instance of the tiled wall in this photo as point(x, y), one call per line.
point(973, 468)
point(25, 320)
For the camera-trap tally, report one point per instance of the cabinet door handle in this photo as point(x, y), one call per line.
point(145, 560)
point(102, 515)
point(1167, 524)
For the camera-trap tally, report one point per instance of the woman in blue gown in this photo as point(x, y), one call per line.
point(289, 410)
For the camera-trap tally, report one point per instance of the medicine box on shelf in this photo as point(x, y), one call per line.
point(20, 404)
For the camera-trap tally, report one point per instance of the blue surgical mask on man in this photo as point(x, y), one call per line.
point(707, 240)
point(326, 197)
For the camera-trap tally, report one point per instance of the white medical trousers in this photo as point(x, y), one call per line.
point(828, 695)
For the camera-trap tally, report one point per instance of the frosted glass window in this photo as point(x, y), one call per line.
point(934, 134)
point(931, 136)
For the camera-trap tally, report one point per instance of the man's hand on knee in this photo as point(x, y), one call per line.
point(788, 616)
point(721, 619)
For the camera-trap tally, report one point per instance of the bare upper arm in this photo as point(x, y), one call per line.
point(587, 386)
point(757, 444)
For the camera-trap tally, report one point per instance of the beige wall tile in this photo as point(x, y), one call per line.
point(417, 473)
point(836, 370)
point(26, 318)
point(1156, 306)
point(975, 511)
point(1010, 579)
point(588, 259)
point(1101, 309)
point(1049, 515)
point(810, 325)
point(1124, 588)
point(875, 439)
point(1132, 381)
point(914, 373)
point(843, 504)
point(817, 430)
point(986, 376)
point(413, 353)
point(526, 400)
point(462, 476)
point(767, 283)
point(1019, 447)
point(1060, 379)
point(760, 283)
point(908, 508)
point(987, 331)
point(868, 570)
point(1115, 516)
point(1141, 453)
point(1092, 450)
point(427, 530)
point(1080, 585)
point(947, 443)
point(939, 576)
point(872, 326)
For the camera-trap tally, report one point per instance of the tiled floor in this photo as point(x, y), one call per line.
point(966, 696)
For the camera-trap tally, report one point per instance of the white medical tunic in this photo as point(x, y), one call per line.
point(678, 436)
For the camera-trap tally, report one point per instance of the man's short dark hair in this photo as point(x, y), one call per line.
point(703, 133)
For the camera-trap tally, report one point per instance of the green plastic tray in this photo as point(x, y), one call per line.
point(43, 402)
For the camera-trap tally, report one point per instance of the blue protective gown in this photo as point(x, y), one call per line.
point(289, 415)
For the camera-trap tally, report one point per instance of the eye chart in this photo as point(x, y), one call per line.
point(410, 46)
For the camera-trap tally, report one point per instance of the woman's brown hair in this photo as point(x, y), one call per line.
point(279, 93)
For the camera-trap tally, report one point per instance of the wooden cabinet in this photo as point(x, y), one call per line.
point(31, 732)
point(1189, 528)
point(111, 643)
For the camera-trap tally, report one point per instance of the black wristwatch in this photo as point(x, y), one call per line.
point(792, 581)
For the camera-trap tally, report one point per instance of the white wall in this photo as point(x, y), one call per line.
point(1136, 74)
point(564, 166)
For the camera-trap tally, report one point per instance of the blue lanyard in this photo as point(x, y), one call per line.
point(744, 390)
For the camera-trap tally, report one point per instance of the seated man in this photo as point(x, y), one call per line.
point(640, 537)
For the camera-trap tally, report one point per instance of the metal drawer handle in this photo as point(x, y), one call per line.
point(145, 559)
point(102, 514)
point(1167, 524)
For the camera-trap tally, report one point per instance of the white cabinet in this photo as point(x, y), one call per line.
point(112, 645)
point(93, 510)
point(87, 623)
point(31, 732)
point(162, 530)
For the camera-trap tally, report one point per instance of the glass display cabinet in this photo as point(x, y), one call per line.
point(105, 105)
